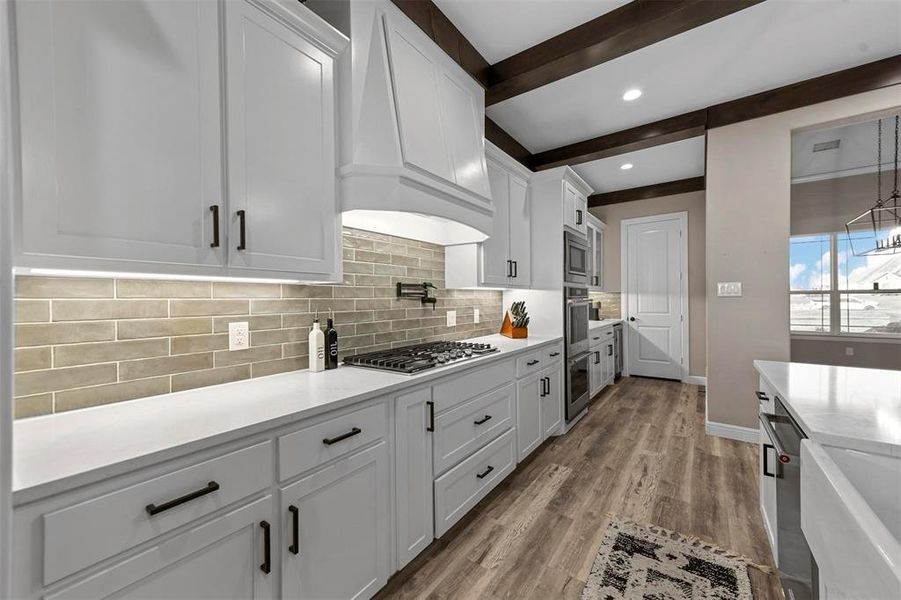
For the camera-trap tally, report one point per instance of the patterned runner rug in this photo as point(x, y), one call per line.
point(640, 562)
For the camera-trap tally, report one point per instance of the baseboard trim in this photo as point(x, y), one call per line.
point(695, 380)
point(732, 432)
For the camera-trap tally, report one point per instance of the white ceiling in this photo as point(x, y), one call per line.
point(855, 154)
point(669, 162)
point(500, 28)
point(771, 44)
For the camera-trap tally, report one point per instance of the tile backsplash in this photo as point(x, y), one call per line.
point(610, 303)
point(84, 342)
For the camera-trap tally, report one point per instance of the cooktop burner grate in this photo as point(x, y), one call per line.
point(418, 357)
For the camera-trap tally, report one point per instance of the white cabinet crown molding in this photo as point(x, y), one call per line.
point(506, 161)
point(563, 173)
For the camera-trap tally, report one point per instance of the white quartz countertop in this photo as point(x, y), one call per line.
point(592, 325)
point(841, 406)
point(58, 452)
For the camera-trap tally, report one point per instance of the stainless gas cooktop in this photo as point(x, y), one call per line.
point(411, 359)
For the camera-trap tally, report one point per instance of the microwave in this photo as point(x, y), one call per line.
point(575, 259)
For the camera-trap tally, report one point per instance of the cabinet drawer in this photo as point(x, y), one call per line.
point(463, 430)
point(600, 336)
point(461, 488)
point(81, 535)
point(457, 389)
point(317, 444)
point(537, 360)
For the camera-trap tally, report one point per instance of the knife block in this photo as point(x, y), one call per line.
point(508, 330)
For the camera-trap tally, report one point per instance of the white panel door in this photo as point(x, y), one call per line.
point(343, 516)
point(654, 266)
point(222, 559)
point(495, 251)
point(281, 146)
point(463, 124)
point(529, 434)
point(413, 459)
point(120, 125)
point(520, 232)
point(415, 75)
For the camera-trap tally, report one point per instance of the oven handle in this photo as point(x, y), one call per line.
point(766, 421)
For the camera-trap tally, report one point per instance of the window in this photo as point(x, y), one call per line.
point(835, 292)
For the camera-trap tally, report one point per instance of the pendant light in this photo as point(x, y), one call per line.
point(878, 230)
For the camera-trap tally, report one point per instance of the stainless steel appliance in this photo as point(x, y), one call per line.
point(797, 568)
point(414, 358)
point(577, 385)
point(575, 259)
point(618, 350)
point(576, 306)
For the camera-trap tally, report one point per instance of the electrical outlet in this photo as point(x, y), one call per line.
point(849, 350)
point(475, 315)
point(238, 336)
point(728, 289)
point(451, 318)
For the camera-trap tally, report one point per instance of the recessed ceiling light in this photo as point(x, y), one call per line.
point(626, 166)
point(632, 94)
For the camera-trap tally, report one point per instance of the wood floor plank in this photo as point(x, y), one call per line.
point(642, 454)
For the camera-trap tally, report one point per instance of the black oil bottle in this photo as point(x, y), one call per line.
point(331, 345)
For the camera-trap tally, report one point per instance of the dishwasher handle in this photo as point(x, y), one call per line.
point(766, 420)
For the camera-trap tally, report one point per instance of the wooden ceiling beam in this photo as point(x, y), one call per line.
point(669, 188)
point(626, 29)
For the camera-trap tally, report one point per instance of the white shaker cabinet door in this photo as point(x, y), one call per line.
point(416, 77)
point(342, 514)
point(415, 421)
point(495, 251)
point(222, 559)
point(552, 402)
point(281, 147)
point(529, 395)
point(120, 131)
point(520, 233)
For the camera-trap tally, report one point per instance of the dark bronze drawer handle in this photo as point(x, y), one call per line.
point(343, 436)
point(553, 354)
point(295, 529)
point(485, 473)
point(484, 419)
point(533, 362)
point(266, 567)
point(761, 397)
point(215, 210)
point(242, 231)
point(153, 509)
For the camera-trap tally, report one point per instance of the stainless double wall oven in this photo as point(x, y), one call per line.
point(576, 306)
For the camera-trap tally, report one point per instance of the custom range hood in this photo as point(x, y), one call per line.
point(412, 151)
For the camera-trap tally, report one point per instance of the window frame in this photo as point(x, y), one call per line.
point(834, 294)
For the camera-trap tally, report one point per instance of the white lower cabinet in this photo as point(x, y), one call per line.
point(414, 418)
point(335, 529)
point(529, 396)
point(227, 558)
point(552, 402)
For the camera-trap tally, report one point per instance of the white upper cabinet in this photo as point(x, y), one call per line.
point(120, 113)
point(281, 145)
point(122, 107)
point(504, 259)
point(595, 231)
point(575, 205)
point(412, 130)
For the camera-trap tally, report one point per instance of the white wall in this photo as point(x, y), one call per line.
point(748, 221)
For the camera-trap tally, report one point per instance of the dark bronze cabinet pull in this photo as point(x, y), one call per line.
point(431, 425)
point(215, 210)
point(515, 268)
point(609, 350)
point(509, 268)
point(153, 509)
point(597, 358)
point(484, 474)
point(553, 354)
point(578, 217)
point(532, 362)
point(242, 230)
point(266, 567)
point(766, 470)
point(761, 397)
point(541, 393)
point(343, 436)
point(484, 419)
point(295, 529)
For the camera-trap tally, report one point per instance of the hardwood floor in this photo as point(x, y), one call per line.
point(640, 453)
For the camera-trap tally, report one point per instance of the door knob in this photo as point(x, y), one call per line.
point(631, 318)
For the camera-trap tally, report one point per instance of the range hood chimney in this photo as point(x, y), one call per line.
point(412, 150)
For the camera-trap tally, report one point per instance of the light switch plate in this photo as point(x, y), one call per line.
point(475, 315)
point(728, 289)
point(238, 336)
point(451, 318)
